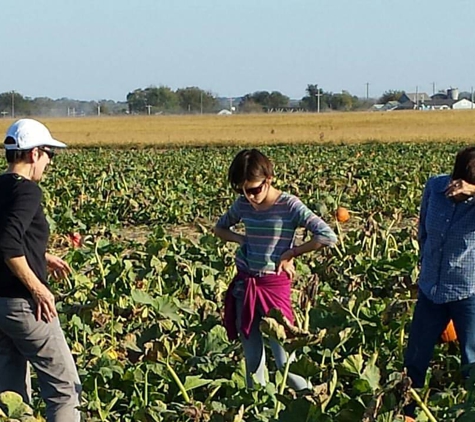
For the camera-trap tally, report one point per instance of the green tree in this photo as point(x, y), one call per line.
point(263, 99)
point(344, 101)
point(14, 101)
point(277, 100)
point(249, 106)
point(194, 100)
point(167, 99)
point(162, 99)
point(137, 100)
point(391, 95)
point(310, 101)
point(42, 106)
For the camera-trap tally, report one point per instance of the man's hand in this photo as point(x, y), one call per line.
point(45, 306)
point(57, 267)
point(286, 264)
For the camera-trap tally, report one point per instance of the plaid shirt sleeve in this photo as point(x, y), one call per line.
point(422, 233)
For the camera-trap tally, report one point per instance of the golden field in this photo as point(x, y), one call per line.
point(259, 129)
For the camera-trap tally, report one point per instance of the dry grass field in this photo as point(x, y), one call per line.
point(259, 129)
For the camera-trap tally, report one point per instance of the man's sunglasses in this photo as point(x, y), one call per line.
point(253, 191)
point(49, 152)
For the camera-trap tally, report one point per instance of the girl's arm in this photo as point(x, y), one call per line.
point(228, 220)
point(286, 258)
point(323, 235)
point(228, 235)
point(312, 245)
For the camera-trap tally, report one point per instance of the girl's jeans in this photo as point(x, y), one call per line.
point(254, 352)
point(428, 322)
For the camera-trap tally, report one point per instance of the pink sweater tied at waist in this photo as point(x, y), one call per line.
point(265, 292)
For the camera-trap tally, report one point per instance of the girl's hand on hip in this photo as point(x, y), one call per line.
point(286, 264)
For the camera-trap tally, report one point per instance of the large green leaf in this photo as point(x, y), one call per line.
point(195, 381)
point(353, 364)
point(13, 406)
point(302, 410)
point(372, 374)
point(141, 297)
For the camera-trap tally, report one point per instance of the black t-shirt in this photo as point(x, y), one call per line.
point(24, 231)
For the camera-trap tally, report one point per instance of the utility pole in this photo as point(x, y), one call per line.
point(318, 95)
point(433, 88)
point(367, 91)
point(472, 97)
point(417, 97)
point(98, 109)
point(201, 102)
point(148, 107)
point(13, 104)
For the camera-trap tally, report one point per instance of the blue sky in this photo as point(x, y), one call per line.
point(103, 49)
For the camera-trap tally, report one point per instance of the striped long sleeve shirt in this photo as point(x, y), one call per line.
point(269, 233)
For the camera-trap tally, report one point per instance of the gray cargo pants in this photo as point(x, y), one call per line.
point(23, 339)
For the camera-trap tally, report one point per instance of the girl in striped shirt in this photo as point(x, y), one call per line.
point(264, 259)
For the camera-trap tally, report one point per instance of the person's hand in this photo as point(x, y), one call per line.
point(286, 264)
point(57, 267)
point(45, 306)
point(459, 189)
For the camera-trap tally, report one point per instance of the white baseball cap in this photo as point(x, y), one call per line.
point(28, 134)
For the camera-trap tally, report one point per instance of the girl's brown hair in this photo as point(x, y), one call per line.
point(249, 165)
point(464, 167)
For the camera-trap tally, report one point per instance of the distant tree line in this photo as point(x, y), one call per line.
point(162, 99)
point(191, 100)
point(18, 105)
point(194, 100)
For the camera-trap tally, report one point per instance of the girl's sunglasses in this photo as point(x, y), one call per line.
point(253, 191)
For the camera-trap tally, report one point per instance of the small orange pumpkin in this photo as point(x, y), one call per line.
point(449, 334)
point(342, 214)
point(409, 419)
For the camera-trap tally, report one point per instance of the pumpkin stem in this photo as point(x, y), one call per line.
point(422, 405)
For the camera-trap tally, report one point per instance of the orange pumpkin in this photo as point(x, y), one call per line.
point(342, 214)
point(409, 419)
point(449, 334)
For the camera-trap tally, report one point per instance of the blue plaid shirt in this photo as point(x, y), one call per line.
point(447, 244)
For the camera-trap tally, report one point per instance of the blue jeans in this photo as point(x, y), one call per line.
point(254, 353)
point(428, 323)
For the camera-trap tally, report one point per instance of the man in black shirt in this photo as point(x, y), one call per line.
point(29, 325)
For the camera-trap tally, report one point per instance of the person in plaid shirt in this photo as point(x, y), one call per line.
point(447, 277)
